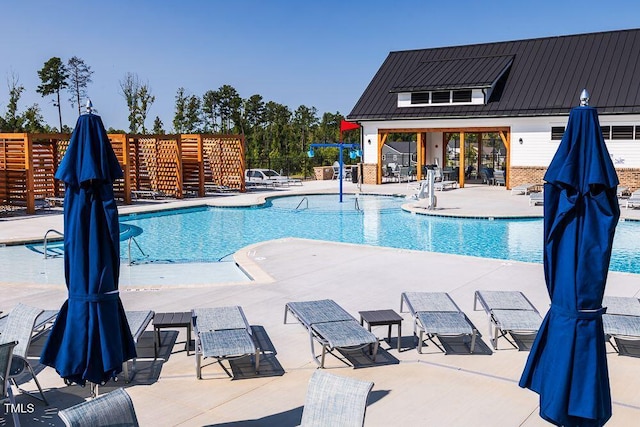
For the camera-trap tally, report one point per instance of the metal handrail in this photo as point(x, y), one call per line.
point(137, 245)
point(357, 207)
point(46, 235)
point(303, 199)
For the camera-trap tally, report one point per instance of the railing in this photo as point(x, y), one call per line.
point(357, 206)
point(130, 239)
point(304, 199)
point(46, 239)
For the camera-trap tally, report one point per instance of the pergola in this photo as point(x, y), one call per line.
point(171, 164)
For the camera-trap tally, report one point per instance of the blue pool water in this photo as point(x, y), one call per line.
point(210, 234)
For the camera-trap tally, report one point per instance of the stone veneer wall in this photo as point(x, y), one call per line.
point(535, 174)
point(526, 175)
point(369, 173)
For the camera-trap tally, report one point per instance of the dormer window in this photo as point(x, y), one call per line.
point(452, 81)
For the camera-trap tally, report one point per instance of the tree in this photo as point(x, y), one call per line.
point(53, 76)
point(210, 110)
point(12, 120)
point(130, 90)
point(157, 126)
point(79, 77)
point(187, 116)
point(146, 99)
point(33, 121)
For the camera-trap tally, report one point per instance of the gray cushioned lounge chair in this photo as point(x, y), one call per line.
point(6, 353)
point(138, 322)
point(622, 319)
point(508, 312)
point(223, 333)
point(436, 315)
point(19, 326)
point(335, 401)
point(112, 409)
point(332, 327)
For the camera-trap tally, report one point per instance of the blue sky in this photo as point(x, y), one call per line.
point(316, 53)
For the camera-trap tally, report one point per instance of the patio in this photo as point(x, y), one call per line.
point(430, 389)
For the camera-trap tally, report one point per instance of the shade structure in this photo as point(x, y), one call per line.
point(91, 338)
point(567, 365)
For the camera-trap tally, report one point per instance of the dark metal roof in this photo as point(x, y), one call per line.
point(455, 73)
point(545, 77)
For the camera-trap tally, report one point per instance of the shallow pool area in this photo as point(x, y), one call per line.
point(207, 234)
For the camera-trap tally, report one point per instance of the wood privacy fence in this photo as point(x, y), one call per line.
point(171, 165)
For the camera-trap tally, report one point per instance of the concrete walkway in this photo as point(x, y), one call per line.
point(458, 389)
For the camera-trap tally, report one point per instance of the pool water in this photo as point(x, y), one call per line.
point(212, 234)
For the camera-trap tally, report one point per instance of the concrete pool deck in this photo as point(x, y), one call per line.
point(458, 389)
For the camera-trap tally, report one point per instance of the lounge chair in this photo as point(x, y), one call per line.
point(633, 200)
point(536, 198)
point(622, 320)
point(335, 401)
point(113, 409)
point(523, 188)
point(509, 312)
point(19, 326)
point(622, 191)
point(138, 322)
point(223, 333)
point(499, 178)
point(6, 354)
point(436, 315)
point(332, 327)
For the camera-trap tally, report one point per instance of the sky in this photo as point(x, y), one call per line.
point(320, 54)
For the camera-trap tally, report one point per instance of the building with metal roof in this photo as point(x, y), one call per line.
point(468, 105)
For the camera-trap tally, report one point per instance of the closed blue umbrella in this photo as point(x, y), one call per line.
point(91, 338)
point(567, 365)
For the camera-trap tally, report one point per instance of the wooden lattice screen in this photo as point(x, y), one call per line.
point(171, 164)
point(225, 155)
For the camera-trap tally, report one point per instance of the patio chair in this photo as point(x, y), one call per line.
point(633, 200)
point(621, 321)
point(112, 409)
point(523, 188)
point(436, 315)
point(223, 333)
point(335, 401)
point(6, 353)
point(19, 326)
point(138, 322)
point(536, 198)
point(509, 312)
point(332, 327)
point(498, 177)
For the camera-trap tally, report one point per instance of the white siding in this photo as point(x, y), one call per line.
point(537, 148)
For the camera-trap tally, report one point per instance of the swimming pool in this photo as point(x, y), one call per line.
point(210, 233)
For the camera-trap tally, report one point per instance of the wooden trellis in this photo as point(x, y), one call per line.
point(174, 165)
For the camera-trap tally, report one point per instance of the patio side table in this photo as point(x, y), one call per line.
point(382, 318)
point(173, 320)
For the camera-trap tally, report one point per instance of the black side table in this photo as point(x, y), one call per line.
point(381, 318)
point(173, 320)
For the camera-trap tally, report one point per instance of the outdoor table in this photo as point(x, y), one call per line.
point(382, 318)
point(173, 320)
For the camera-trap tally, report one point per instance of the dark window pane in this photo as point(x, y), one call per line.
point(606, 132)
point(557, 132)
point(420, 98)
point(440, 97)
point(622, 132)
point(461, 96)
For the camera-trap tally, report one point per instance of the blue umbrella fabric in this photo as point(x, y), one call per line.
point(567, 365)
point(91, 338)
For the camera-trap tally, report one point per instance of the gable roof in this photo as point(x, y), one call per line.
point(545, 77)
